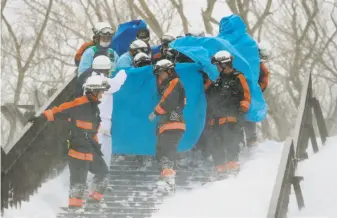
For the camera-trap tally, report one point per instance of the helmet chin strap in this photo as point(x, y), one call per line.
point(223, 68)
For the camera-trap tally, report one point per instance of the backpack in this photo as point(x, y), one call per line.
point(104, 51)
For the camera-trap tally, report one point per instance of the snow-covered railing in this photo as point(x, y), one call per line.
point(295, 150)
point(28, 160)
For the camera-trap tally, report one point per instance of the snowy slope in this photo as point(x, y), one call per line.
point(320, 183)
point(247, 195)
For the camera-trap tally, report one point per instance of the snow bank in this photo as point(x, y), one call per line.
point(46, 202)
point(319, 186)
point(247, 195)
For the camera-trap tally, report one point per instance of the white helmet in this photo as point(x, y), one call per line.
point(163, 66)
point(167, 38)
point(222, 57)
point(101, 62)
point(195, 32)
point(264, 51)
point(141, 59)
point(96, 83)
point(138, 43)
point(103, 28)
point(139, 46)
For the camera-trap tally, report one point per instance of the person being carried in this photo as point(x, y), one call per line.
point(84, 150)
point(228, 98)
point(104, 34)
point(171, 125)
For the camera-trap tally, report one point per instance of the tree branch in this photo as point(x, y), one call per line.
point(207, 16)
point(261, 19)
point(180, 8)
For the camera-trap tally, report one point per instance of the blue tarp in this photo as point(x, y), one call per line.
point(233, 29)
point(246, 59)
point(126, 33)
point(132, 132)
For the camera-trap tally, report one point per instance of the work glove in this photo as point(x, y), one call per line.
point(104, 131)
point(32, 119)
point(152, 116)
point(35, 118)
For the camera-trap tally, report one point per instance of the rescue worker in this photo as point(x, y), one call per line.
point(126, 59)
point(144, 35)
point(141, 60)
point(171, 125)
point(165, 40)
point(84, 151)
point(106, 109)
point(250, 127)
point(84, 46)
point(104, 34)
point(100, 65)
point(228, 98)
point(264, 72)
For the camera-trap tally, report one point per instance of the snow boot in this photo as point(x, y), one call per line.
point(167, 180)
point(231, 167)
point(95, 201)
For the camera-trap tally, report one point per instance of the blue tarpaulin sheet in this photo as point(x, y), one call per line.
point(132, 132)
point(126, 33)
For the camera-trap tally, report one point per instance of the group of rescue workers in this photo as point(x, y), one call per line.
point(228, 99)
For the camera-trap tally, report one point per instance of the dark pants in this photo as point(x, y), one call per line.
point(224, 143)
point(250, 131)
point(167, 144)
point(78, 175)
point(202, 144)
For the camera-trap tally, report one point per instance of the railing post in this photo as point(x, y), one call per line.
point(298, 191)
point(319, 119)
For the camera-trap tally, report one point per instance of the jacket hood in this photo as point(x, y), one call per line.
point(232, 24)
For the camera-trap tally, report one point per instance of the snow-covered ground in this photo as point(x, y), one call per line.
point(46, 202)
point(246, 195)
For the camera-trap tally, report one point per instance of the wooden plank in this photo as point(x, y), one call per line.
point(305, 96)
point(319, 119)
point(277, 198)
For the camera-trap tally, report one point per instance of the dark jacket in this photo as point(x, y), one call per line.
point(171, 106)
point(83, 116)
point(80, 81)
point(227, 98)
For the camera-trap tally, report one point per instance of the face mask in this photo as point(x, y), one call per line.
point(100, 98)
point(104, 44)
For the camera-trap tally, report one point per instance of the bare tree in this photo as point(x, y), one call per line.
point(39, 49)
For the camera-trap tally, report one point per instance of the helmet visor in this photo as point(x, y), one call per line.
point(106, 31)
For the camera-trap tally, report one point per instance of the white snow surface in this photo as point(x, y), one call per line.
point(46, 202)
point(246, 195)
